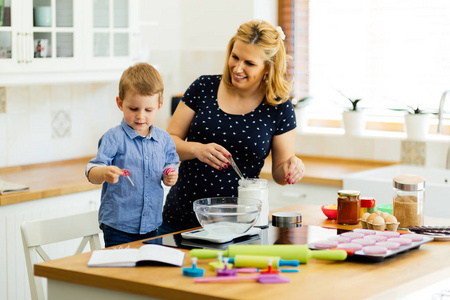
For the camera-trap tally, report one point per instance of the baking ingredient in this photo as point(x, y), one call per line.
point(350, 246)
point(414, 237)
point(257, 189)
point(389, 245)
point(327, 244)
point(367, 204)
point(390, 219)
point(402, 241)
point(389, 234)
point(365, 216)
point(406, 211)
point(364, 242)
point(375, 250)
point(377, 238)
point(348, 207)
point(331, 206)
point(371, 217)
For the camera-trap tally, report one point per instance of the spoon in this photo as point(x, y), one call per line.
point(235, 167)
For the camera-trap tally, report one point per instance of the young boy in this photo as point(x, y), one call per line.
point(131, 208)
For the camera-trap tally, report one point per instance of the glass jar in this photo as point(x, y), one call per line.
point(348, 207)
point(257, 189)
point(409, 197)
point(367, 205)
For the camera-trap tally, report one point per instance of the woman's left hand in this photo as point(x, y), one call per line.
point(294, 170)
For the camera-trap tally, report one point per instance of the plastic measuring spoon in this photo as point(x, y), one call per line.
point(264, 278)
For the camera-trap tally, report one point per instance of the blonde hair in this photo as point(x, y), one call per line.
point(263, 35)
point(143, 79)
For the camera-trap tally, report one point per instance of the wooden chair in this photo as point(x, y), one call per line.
point(42, 232)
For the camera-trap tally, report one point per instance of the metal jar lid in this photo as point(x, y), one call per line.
point(287, 219)
point(407, 182)
point(348, 193)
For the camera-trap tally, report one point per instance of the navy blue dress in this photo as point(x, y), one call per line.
point(248, 137)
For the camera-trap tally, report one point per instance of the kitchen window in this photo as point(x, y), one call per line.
point(389, 53)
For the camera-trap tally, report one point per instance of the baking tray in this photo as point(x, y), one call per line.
point(301, 235)
point(361, 256)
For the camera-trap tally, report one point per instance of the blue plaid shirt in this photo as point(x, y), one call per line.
point(138, 208)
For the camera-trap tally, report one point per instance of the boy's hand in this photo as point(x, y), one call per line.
point(111, 174)
point(170, 176)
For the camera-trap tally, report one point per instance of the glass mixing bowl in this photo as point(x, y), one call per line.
point(227, 216)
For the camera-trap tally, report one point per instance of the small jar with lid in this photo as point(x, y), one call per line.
point(409, 198)
point(367, 205)
point(348, 207)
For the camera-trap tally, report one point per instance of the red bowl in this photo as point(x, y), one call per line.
point(330, 213)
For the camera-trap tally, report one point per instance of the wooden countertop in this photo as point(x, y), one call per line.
point(328, 170)
point(47, 180)
point(318, 279)
point(66, 177)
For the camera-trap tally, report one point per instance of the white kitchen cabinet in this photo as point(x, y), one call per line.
point(13, 274)
point(45, 38)
point(282, 196)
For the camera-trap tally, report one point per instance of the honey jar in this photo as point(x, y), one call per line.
point(348, 207)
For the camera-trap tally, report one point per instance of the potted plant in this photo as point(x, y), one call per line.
point(353, 117)
point(417, 122)
point(300, 112)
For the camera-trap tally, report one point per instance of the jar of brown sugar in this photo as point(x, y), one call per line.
point(409, 197)
point(348, 207)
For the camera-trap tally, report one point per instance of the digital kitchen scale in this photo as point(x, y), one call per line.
point(202, 234)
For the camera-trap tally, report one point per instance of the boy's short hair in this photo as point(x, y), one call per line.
point(143, 79)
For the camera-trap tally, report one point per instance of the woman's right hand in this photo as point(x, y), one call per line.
point(213, 154)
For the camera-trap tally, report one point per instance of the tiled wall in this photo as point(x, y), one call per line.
point(55, 122)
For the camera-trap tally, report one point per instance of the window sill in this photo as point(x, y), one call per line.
point(373, 128)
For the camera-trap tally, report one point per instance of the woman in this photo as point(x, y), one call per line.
point(244, 114)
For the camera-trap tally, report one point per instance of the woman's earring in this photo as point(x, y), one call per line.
point(265, 78)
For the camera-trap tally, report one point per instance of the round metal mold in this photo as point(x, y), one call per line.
point(287, 219)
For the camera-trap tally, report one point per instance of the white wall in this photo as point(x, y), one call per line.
point(188, 38)
point(182, 38)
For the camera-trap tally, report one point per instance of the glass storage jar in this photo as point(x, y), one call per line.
point(409, 197)
point(256, 188)
point(348, 207)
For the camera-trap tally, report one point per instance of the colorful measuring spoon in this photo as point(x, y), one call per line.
point(126, 173)
point(168, 170)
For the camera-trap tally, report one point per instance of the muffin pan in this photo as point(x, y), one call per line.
point(375, 252)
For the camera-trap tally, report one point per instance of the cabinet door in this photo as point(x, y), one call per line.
point(54, 35)
point(12, 38)
point(40, 36)
point(111, 32)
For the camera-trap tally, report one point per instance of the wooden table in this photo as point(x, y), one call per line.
point(70, 278)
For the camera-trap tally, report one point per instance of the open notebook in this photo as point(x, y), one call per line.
point(9, 187)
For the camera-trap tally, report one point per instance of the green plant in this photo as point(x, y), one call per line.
point(354, 102)
point(300, 103)
point(410, 110)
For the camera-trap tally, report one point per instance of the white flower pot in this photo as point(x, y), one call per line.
point(417, 126)
point(354, 122)
point(301, 119)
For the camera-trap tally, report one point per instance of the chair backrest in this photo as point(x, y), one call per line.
point(42, 232)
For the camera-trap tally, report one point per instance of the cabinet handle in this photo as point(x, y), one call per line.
point(19, 48)
point(28, 47)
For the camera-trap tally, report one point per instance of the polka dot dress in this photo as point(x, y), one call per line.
point(247, 137)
